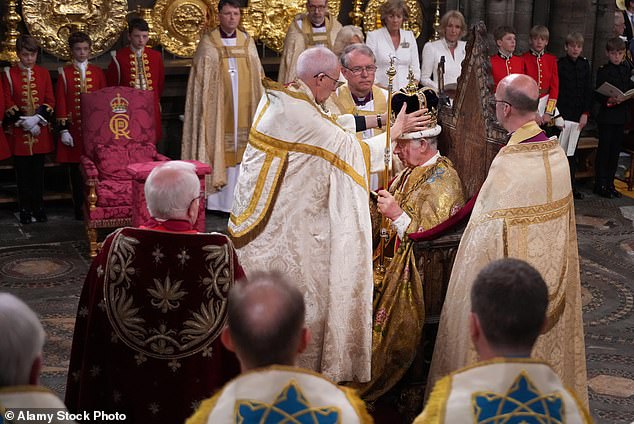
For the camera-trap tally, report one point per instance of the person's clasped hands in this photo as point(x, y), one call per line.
point(31, 123)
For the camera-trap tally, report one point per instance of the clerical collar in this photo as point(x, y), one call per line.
point(21, 66)
point(504, 55)
point(225, 35)
point(362, 101)
point(538, 54)
point(323, 24)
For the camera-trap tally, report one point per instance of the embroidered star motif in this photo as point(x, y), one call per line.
point(183, 256)
point(290, 406)
point(522, 403)
point(158, 255)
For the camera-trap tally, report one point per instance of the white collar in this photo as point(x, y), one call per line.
point(432, 160)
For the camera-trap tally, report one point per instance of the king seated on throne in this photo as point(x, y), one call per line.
point(426, 193)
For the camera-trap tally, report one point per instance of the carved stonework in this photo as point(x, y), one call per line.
point(471, 136)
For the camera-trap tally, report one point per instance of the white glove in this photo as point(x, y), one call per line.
point(34, 130)
point(66, 138)
point(28, 122)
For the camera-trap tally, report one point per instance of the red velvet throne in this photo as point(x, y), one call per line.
point(117, 130)
point(146, 335)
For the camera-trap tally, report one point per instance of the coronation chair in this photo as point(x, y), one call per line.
point(117, 130)
point(146, 335)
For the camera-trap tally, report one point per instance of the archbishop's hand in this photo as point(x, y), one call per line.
point(409, 122)
point(388, 205)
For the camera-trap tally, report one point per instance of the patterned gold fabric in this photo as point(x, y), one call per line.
point(208, 129)
point(429, 195)
point(524, 210)
point(299, 39)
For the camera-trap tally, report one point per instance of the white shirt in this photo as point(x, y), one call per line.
point(406, 56)
point(431, 58)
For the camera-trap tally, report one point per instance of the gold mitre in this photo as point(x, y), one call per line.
point(417, 97)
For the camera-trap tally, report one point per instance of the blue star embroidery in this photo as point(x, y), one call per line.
point(290, 406)
point(522, 404)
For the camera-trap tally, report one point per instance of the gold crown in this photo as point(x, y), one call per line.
point(426, 96)
point(119, 104)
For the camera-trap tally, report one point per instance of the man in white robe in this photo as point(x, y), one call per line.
point(301, 207)
point(222, 93)
point(314, 28)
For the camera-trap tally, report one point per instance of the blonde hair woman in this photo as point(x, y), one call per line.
point(349, 34)
point(393, 41)
point(452, 28)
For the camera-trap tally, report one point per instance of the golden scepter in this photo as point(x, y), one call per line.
point(387, 159)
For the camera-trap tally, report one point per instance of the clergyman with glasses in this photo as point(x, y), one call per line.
point(524, 210)
point(301, 207)
point(359, 95)
point(316, 27)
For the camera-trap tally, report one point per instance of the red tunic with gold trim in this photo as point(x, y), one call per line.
point(124, 70)
point(5, 152)
point(25, 97)
point(70, 85)
point(502, 66)
point(542, 67)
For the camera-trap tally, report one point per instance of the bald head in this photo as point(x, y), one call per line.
point(315, 60)
point(171, 188)
point(265, 320)
point(517, 100)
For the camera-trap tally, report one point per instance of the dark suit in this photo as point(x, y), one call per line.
point(611, 120)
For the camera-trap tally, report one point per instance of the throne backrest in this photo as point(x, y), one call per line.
point(471, 136)
point(117, 116)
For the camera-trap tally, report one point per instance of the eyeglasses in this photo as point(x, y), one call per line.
point(312, 8)
point(358, 70)
point(337, 82)
point(494, 102)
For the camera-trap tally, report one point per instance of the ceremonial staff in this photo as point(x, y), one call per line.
point(387, 158)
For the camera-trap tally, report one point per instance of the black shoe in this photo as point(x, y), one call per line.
point(614, 192)
point(25, 217)
point(577, 195)
point(40, 216)
point(603, 191)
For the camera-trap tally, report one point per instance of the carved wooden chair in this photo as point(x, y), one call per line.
point(117, 130)
point(146, 336)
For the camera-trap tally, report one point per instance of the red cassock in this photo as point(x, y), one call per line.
point(146, 341)
point(68, 109)
point(502, 66)
point(543, 69)
point(26, 97)
point(5, 152)
point(124, 70)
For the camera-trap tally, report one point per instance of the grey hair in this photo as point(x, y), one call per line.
point(22, 340)
point(358, 47)
point(431, 141)
point(170, 188)
point(345, 36)
point(314, 60)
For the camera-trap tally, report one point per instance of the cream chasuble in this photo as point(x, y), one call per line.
point(301, 207)
point(524, 210)
point(300, 36)
point(224, 82)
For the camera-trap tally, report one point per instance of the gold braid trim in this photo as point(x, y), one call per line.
point(204, 410)
point(435, 409)
point(531, 214)
point(358, 405)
